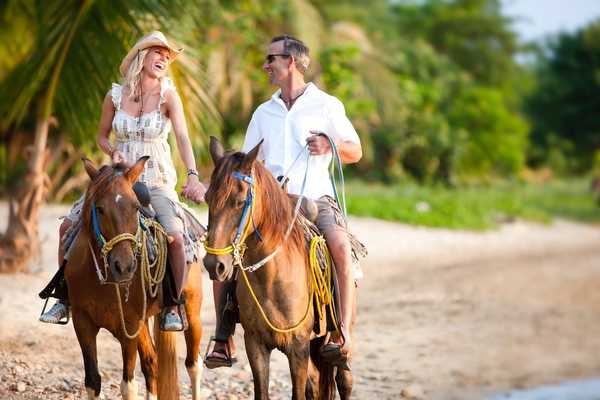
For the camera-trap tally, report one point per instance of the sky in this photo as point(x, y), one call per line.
point(539, 18)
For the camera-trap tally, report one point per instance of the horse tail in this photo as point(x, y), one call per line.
point(168, 382)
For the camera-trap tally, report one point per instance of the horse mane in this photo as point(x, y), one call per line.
point(103, 182)
point(276, 207)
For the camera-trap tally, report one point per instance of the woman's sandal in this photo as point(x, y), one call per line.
point(212, 361)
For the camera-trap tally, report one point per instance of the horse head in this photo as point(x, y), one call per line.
point(231, 187)
point(110, 214)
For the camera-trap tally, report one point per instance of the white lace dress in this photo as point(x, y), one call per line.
point(146, 136)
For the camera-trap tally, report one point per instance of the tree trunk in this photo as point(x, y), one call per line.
point(19, 245)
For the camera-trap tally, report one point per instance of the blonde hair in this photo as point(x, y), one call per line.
point(132, 78)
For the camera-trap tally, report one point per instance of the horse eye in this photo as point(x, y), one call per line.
point(100, 210)
point(240, 203)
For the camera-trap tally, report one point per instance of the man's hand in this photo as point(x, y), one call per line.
point(318, 144)
point(193, 189)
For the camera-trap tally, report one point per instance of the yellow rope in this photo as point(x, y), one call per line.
point(159, 266)
point(320, 288)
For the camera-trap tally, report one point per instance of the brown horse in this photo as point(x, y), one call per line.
point(95, 305)
point(282, 285)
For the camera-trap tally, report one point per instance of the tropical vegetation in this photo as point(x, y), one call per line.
point(434, 87)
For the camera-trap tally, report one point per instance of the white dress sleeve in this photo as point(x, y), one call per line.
point(116, 92)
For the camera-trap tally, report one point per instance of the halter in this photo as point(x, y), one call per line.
point(238, 246)
point(105, 247)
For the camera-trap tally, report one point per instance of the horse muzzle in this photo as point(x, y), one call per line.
point(220, 268)
point(122, 270)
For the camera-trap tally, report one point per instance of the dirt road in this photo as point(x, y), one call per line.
point(442, 315)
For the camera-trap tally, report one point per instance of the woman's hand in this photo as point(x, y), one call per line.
point(193, 189)
point(118, 157)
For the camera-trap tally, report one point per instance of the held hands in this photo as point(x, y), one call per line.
point(193, 189)
point(318, 144)
point(118, 157)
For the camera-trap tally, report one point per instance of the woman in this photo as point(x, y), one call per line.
point(141, 111)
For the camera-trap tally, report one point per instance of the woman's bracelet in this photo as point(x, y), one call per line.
point(192, 172)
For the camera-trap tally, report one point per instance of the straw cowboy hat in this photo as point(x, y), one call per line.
point(153, 39)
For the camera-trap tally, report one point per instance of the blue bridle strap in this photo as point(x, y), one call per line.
point(96, 226)
point(247, 206)
point(246, 178)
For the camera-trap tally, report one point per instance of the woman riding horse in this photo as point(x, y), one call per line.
point(141, 111)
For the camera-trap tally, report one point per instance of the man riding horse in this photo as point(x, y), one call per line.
point(299, 114)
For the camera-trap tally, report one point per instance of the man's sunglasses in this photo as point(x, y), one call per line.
point(271, 57)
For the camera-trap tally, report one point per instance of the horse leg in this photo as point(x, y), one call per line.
point(194, 333)
point(86, 332)
point(148, 362)
point(298, 361)
point(343, 380)
point(128, 384)
point(258, 356)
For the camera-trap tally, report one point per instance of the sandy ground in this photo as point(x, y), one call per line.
point(442, 315)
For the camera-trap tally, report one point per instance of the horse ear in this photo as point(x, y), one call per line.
point(89, 168)
point(216, 150)
point(251, 156)
point(134, 172)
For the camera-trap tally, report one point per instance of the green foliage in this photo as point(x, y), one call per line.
point(566, 102)
point(473, 207)
point(472, 33)
point(497, 137)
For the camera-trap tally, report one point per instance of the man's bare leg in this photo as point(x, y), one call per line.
point(220, 348)
point(340, 250)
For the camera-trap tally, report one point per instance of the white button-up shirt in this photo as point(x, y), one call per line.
point(285, 133)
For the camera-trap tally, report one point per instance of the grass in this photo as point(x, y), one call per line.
point(474, 207)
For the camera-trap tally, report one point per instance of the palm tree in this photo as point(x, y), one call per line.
point(76, 50)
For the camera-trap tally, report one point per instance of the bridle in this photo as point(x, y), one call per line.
point(105, 246)
point(238, 246)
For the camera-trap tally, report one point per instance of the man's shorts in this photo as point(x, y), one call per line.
point(330, 217)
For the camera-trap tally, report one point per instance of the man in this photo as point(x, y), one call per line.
point(296, 115)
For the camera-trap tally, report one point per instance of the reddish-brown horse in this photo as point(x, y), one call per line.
point(282, 285)
point(95, 305)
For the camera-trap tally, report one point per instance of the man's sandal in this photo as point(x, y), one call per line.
point(212, 361)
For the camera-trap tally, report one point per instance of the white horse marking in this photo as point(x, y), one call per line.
point(91, 394)
point(117, 198)
point(195, 374)
point(129, 390)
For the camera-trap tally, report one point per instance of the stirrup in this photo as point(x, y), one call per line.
point(217, 362)
point(180, 313)
point(61, 321)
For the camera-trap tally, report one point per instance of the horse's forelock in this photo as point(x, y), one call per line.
point(102, 184)
point(222, 180)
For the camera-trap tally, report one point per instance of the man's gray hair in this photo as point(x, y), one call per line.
point(297, 48)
